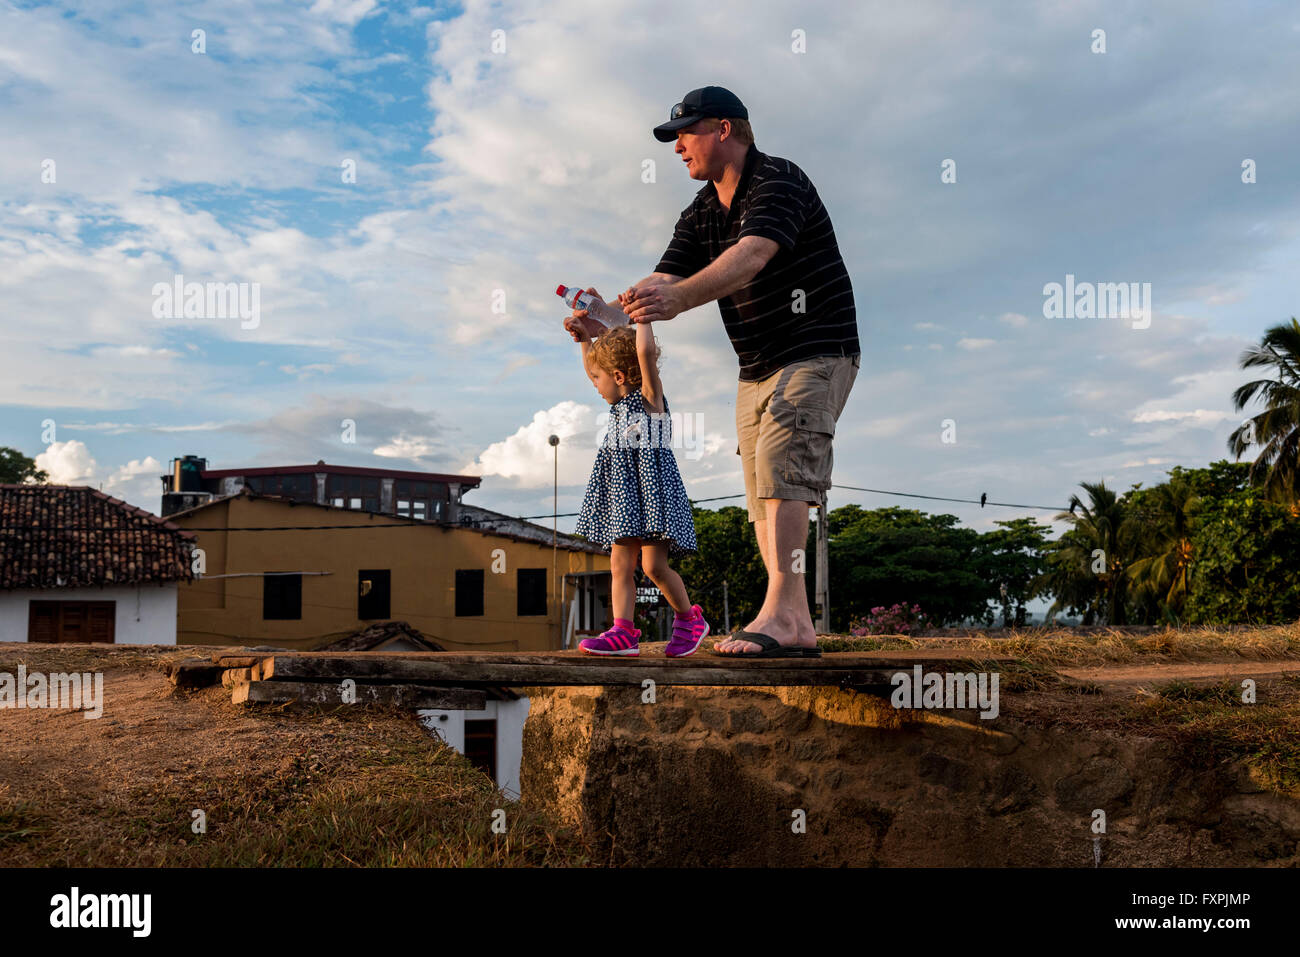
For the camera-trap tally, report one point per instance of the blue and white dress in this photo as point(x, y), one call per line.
point(635, 490)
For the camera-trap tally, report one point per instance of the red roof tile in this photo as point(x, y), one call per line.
point(55, 536)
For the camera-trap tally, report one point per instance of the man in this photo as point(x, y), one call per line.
point(758, 240)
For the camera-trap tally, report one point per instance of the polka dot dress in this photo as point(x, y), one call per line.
point(635, 490)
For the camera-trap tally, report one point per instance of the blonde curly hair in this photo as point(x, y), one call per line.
point(615, 351)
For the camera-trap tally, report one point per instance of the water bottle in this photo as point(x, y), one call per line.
point(609, 316)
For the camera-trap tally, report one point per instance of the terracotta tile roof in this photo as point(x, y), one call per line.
point(55, 536)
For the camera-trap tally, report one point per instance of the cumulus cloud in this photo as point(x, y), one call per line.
point(68, 463)
point(527, 456)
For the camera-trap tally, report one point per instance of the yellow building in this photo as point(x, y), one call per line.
point(298, 574)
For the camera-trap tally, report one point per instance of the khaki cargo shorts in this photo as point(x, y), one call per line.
point(785, 424)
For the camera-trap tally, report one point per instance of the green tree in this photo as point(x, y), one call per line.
point(891, 555)
point(1246, 562)
point(727, 550)
point(18, 469)
point(1012, 555)
point(1276, 430)
point(1163, 519)
point(1086, 565)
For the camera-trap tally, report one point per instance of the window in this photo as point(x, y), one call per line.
point(419, 500)
point(469, 591)
point(372, 593)
point(281, 597)
point(530, 589)
point(71, 621)
point(299, 487)
point(353, 491)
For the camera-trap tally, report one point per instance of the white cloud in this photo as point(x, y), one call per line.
point(68, 463)
point(408, 447)
point(138, 482)
point(1200, 417)
point(528, 457)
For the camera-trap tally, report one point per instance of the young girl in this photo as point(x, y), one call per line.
point(635, 500)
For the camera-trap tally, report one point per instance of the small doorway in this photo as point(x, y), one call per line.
point(481, 746)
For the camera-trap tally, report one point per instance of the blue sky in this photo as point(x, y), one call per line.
point(517, 169)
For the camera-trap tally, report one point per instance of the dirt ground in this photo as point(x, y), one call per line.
point(119, 790)
point(373, 787)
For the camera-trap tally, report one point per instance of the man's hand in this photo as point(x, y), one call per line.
point(652, 300)
point(581, 325)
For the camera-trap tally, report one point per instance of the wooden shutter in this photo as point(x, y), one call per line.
point(71, 621)
point(100, 616)
point(43, 621)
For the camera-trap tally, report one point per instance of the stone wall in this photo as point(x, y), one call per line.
point(714, 776)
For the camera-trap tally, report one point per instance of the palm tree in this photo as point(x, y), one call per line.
point(1102, 525)
point(1167, 544)
point(1277, 429)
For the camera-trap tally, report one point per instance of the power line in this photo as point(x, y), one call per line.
point(940, 498)
point(478, 522)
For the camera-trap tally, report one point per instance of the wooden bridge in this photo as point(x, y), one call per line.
point(463, 680)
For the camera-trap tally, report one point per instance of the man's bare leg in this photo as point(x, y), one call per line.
point(762, 531)
point(784, 616)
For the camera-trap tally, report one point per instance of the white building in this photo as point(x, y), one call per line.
point(77, 565)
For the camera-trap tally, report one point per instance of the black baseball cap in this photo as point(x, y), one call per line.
point(706, 101)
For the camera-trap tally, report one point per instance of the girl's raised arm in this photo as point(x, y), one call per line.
point(651, 388)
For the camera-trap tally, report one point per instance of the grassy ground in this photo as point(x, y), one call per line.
point(1055, 647)
point(324, 788)
point(278, 787)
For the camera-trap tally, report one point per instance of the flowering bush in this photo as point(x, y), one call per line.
point(897, 619)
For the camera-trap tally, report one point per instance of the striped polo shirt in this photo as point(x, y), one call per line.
point(774, 199)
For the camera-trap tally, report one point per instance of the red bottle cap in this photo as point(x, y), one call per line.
point(559, 290)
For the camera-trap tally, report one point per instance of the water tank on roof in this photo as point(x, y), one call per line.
point(186, 475)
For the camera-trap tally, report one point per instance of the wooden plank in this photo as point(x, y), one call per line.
point(653, 652)
point(192, 673)
point(227, 660)
point(331, 694)
point(558, 669)
point(237, 676)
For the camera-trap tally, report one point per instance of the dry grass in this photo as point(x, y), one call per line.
point(293, 788)
point(1064, 647)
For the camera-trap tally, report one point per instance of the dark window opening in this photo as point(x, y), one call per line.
point(373, 593)
point(300, 488)
point(469, 591)
point(530, 587)
point(282, 597)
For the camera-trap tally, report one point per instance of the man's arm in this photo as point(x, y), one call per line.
point(655, 299)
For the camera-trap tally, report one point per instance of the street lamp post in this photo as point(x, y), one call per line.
point(555, 551)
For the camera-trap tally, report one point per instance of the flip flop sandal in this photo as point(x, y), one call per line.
point(771, 647)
